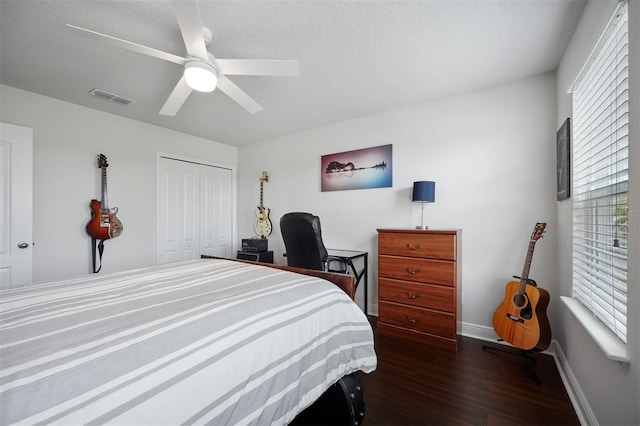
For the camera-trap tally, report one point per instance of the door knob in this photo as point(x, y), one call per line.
point(23, 245)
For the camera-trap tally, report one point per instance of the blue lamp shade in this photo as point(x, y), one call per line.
point(424, 191)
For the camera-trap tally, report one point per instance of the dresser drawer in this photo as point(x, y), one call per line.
point(415, 294)
point(419, 270)
point(433, 246)
point(418, 319)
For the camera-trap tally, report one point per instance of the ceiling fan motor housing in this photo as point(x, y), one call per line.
point(200, 75)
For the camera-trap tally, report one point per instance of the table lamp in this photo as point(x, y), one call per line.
point(423, 192)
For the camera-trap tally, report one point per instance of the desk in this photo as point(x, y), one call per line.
point(348, 256)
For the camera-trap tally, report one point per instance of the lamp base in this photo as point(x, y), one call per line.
point(422, 227)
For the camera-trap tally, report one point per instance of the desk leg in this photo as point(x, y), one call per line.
point(366, 282)
point(364, 273)
point(358, 276)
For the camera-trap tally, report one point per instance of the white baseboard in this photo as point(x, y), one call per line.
point(577, 397)
point(480, 332)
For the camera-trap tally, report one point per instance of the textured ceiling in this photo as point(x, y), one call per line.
point(356, 57)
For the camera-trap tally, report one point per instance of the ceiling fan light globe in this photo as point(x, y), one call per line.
point(200, 76)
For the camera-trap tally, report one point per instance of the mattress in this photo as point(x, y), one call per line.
point(208, 341)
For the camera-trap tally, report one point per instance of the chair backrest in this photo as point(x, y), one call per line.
point(302, 237)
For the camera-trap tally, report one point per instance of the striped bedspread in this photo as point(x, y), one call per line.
point(199, 342)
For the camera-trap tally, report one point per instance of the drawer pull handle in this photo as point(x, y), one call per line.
point(413, 296)
point(413, 271)
point(412, 247)
point(413, 320)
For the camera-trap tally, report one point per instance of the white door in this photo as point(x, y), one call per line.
point(178, 221)
point(194, 211)
point(216, 210)
point(16, 205)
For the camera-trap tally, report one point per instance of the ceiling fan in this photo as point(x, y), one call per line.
point(202, 72)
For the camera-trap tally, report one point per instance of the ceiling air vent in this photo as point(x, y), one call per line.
point(110, 96)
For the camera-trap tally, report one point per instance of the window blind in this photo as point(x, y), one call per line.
point(600, 177)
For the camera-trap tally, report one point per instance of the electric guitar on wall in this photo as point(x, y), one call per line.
point(262, 226)
point(103, 224)
point(521, 318)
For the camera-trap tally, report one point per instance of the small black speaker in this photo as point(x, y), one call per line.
point(256, 256)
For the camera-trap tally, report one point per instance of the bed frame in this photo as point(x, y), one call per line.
point(343, 403)
point(346, 282)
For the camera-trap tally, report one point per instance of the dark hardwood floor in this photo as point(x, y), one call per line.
point(416, 384)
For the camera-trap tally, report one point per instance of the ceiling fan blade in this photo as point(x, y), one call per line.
point(190, 27)
point(135, 47)
point(177, 97)
point(283, 68)
point(238, 95)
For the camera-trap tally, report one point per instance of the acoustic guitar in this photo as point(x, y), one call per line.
point(103, 224)
point(262, 226)
point(521, 318)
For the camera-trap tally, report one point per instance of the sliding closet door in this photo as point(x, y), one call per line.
point(194, 208)
point(177, 212)
point(216, 211)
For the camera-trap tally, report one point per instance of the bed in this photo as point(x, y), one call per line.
point(207, 341)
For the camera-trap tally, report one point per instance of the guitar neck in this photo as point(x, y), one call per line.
point(105, 201)
point(261, 192)
point(527, 266)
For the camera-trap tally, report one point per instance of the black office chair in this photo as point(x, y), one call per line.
point(302, 237)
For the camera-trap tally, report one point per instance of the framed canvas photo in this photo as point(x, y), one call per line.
point(359, 169)
point(563, 160)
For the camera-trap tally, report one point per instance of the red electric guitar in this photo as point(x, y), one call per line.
point(103, 224)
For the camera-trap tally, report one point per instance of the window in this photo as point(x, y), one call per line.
point(600, 176)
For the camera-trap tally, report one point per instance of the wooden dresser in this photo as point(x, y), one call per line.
point(418, 275)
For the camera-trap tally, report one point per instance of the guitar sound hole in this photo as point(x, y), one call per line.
point(523, 302)
point(519, 300)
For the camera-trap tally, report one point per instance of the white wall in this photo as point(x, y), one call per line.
point(66, 141)
point(491, 153)
point(612, 391)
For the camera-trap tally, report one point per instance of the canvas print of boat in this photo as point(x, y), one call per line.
point(359, 169)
